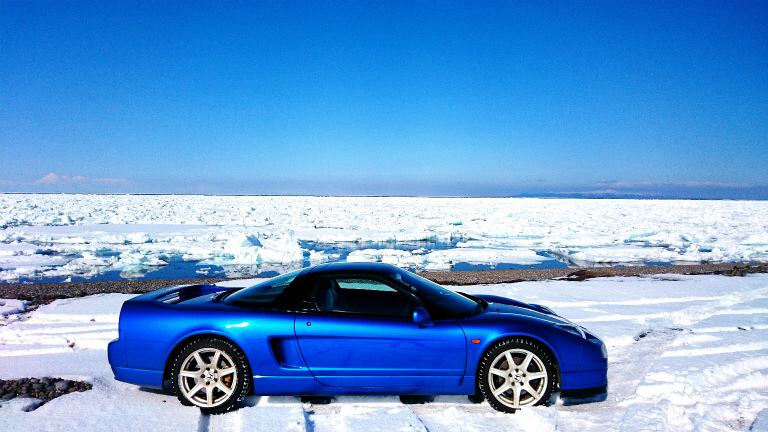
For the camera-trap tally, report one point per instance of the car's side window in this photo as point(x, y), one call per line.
point(363, 284)
point(362, 295)
point(264, 294)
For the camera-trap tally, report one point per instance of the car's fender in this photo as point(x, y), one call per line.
point(266, 337)
point(488, 330)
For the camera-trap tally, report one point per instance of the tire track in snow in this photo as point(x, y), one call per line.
point(255, 413)
point(735, 348)
point(64, 326)
point(626, 374)
point(633, 302)
point(363, 413)
point(694, 398)
point(691, 315)
point(203, 424)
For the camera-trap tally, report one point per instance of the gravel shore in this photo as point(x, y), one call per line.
point(46, 292)
point(577, 274)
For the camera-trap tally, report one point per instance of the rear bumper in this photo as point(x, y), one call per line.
point(116, 352)
point(142, 377)
point(119, 364)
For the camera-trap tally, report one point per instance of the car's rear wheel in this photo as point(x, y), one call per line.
point(212, 374)
point(516, 373)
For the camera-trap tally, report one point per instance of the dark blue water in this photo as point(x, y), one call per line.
point(180, 269)
point(344, 248)
point(548, 263)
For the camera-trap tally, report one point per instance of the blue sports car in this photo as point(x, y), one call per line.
point(351, 328)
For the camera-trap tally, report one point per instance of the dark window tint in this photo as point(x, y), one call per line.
point(365, 296)
point(442, 303)
point(262, 294)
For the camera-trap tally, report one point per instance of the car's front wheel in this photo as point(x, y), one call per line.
point(212, 374)
point(516, 373)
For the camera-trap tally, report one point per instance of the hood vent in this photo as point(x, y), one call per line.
point(171, 298)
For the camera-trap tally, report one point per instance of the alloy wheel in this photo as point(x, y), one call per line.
point(208, 377)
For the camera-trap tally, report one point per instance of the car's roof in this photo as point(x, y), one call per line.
point(320, 268)
point(354, 266)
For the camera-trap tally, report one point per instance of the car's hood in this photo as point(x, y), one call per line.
point(502, 305)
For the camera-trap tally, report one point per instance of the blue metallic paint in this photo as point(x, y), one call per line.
point(343, 354)
point(380, 350)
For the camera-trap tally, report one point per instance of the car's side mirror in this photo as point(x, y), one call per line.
point(421, 316)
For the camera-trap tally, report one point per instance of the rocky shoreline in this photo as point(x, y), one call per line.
point(39, 293)
point(43, 389)
point(476, 277)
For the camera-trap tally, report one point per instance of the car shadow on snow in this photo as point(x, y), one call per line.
point(254, 400)
point(570, 401)
point(157, 391)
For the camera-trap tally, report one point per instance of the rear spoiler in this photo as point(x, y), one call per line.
point(180, 293)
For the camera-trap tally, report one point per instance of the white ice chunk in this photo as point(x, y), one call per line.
point(138, 238)
point(447, 258)
point(243, 248)
point(399, 258)
point(141, 258)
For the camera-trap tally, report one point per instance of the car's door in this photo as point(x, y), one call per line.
point(361, 333)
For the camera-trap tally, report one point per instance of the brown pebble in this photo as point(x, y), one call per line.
point(33, 387)
point(42, 293)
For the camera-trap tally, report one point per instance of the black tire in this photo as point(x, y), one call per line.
point(217, 389)
point(507, 388)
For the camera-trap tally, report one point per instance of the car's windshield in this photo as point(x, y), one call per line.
point(263, 293)
point(452, 304)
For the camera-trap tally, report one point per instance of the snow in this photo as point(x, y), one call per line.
point(686, 353)
point(57, 235)
point(10, 309)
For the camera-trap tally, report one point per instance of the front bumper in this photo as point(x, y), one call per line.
point(592, 371)
point(583, 380)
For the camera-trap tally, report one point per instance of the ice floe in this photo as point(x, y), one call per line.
point(50, 236)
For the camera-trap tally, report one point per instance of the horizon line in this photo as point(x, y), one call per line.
point(553, 195)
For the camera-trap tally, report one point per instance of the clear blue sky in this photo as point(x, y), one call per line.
point(417, 98)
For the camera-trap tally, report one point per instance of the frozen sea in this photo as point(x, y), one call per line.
point(60, 237)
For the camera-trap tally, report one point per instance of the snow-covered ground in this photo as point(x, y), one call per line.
point(59, 236)
point(685, 353)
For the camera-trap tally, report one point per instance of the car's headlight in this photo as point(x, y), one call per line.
point(572, 329)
